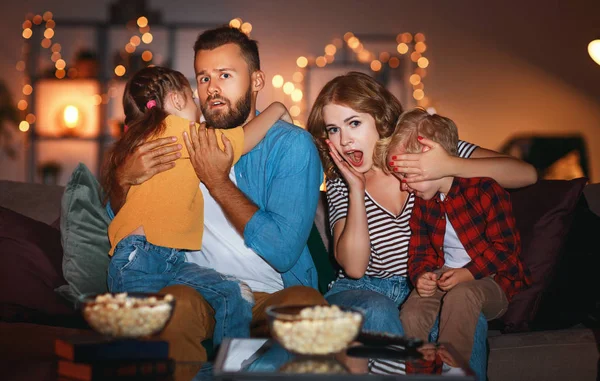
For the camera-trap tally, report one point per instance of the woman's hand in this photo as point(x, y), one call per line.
point(356, 180)
point(432, 164)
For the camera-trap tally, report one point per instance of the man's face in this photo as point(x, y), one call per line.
point(224, 86)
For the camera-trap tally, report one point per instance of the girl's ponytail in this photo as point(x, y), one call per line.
point(143, 103)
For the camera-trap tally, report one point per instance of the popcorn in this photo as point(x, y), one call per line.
point(124, 316)
point(318, 330)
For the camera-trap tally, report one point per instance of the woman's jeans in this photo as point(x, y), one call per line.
point(381, 298)
point(139, 266)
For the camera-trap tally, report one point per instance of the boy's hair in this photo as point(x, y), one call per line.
point(410, 126)
point(361, 93)
point(214, 38)
point(142, 120)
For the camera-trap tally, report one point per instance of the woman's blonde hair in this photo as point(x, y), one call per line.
point(410, 126)
point(361, 93)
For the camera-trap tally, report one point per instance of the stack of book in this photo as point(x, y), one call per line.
point(89, 358)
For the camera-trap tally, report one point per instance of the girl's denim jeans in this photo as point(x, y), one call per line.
point(139, 266)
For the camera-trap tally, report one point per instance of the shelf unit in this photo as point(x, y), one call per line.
point(101, 31)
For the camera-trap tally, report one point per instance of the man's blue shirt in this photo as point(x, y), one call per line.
point(282, 176)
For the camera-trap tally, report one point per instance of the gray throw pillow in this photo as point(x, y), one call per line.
point(83, 226)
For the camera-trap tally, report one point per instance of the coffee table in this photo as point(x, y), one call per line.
point(265, 359)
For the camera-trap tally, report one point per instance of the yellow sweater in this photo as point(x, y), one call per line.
point(170, 205)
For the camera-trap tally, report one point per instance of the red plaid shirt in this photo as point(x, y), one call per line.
point(481, 213)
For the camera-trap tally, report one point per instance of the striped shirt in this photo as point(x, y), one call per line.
point(389, 234)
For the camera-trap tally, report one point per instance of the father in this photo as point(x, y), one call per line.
point(259, 213)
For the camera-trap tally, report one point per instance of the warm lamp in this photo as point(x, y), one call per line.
point(594, 50)
point(71, 116)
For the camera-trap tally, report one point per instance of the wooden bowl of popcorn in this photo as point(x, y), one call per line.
point(314, 330)
point(127, 315)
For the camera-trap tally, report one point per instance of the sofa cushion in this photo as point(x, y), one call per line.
point(544, 213)
point(83, 226)
point(38, 201)
point(31, 256)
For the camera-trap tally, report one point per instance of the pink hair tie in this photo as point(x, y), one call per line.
point(125, 128)
point(150, 104)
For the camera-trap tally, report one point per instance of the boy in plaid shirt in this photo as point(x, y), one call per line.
point(464, 248)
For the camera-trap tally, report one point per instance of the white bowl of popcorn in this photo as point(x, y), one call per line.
point(130, 315)
point(314, 330)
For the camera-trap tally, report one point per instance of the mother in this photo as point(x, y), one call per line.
point(368, 210)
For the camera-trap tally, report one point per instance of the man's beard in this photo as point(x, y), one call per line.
point(234, 117)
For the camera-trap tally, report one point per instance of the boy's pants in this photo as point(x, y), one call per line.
point(139, 266)
point(460, 309)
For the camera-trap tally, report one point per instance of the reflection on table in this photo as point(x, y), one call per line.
point(254, 357)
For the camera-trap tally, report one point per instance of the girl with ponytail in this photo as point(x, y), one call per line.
point(164, 217)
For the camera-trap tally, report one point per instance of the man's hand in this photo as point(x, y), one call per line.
point(451, 278)
point(147, 160)
point(426, 284)
point(211, 164)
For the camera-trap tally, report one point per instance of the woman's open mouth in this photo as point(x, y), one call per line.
point(355, 158)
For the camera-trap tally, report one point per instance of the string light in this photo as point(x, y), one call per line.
point(147, 56)
point(406, 43)
point(60, 64)
point(147, 38)
point(236, 23)
point(277, 81)
point(246, 27)
point(415, 79)
point(288, 88)
point(142, 22)
point(330, 49)
point(297, 95)
point(120, 70)
point(302, 62)
point(49, 33)
point(402, 48)
point(135, 40)
point(298, 77)
point(24, 126)
point(376, 65)
point(295, 111)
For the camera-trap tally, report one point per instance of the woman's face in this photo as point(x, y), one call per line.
point(353, 134)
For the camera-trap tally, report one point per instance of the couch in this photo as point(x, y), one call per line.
point(559, 342)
